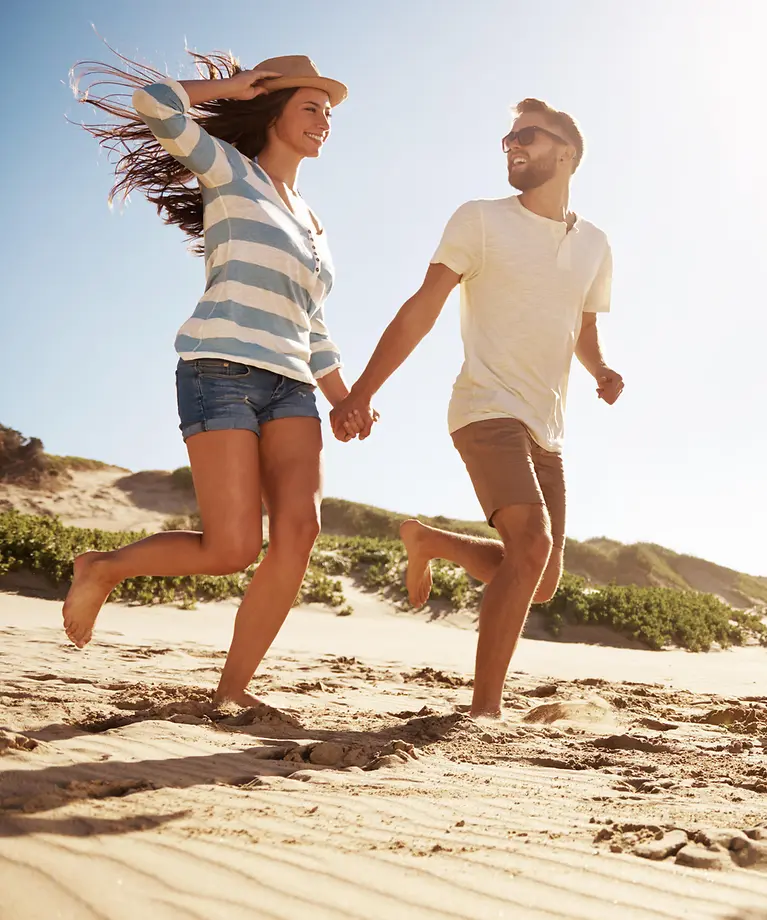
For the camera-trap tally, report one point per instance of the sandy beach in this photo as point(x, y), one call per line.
point(401, 318)
point(622, 783)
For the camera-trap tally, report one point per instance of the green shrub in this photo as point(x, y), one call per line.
point(45, 547)
point(182, 479)
point(658, 617)
point(23, 460)
point(320, 588)
point(454, 585)
point(184, 522)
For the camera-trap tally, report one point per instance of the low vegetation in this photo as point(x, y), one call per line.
point(44, 547)
point(352, 519)
point(182, 479)
point(602, 561)
point(655, 616)
point(22, 460)
point(643, 591)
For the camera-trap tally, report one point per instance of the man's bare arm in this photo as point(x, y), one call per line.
point(414, 320)
point(588, 350)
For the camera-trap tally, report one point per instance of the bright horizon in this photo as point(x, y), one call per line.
point(667, 95)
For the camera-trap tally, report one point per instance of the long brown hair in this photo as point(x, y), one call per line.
point(141, 163)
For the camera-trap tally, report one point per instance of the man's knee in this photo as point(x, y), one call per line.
point(549, 582)
point(539, 545)
point(526, 533)
point(547, 587)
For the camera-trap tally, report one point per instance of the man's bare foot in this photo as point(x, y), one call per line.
point(239, 698)
point(90, 589)
point(418, 578)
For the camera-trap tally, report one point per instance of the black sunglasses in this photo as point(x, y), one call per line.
point(526, 136)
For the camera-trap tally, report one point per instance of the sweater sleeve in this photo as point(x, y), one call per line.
point(325, 356)
point(162, 107)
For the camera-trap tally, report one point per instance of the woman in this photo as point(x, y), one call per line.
point(255, 347)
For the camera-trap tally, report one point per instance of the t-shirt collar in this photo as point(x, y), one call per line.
point(556, 225)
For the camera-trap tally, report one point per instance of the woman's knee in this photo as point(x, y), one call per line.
point(295, 532)
point(233, 552)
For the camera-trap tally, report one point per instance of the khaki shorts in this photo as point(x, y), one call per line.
point(507, 467)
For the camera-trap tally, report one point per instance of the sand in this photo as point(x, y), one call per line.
point(622, 783)
point(109, 499)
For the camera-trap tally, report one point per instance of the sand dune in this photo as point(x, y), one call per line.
point(108, 499)
point(360, 789)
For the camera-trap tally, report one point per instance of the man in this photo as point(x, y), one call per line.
point(533, 278)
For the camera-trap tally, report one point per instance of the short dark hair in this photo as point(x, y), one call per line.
point(566, 123)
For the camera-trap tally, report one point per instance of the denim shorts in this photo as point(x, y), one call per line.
point(215, 394)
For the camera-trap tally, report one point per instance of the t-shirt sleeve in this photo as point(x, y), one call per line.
point(461, 248)
point(598, 297)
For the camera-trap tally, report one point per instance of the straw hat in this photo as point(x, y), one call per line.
point(299, 70)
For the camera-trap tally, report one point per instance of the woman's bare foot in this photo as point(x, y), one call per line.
point(418, 578)
point(239, 698)
point(482, 713)
point(90, 588)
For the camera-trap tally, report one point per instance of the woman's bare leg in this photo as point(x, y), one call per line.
point(291, 470)
point(225, 468)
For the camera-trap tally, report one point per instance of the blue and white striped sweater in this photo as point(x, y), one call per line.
point(267, 274)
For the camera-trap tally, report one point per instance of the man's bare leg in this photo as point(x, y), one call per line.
point(478, 556)
point(525, 530)
point(226, 474)
point(525, 571)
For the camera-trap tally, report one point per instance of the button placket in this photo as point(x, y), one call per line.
point(317, 264)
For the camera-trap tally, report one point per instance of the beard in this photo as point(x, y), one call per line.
point(533, 174)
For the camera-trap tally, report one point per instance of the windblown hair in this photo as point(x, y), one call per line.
point(141, 163)
point(566, 124)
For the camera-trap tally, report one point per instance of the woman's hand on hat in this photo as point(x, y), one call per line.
point(247, 84)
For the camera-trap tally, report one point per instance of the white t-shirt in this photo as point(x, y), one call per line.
point(525, 283)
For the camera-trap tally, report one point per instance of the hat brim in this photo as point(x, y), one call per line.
point(336, 91)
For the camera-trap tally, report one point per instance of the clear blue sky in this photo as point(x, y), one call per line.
point(669, 94)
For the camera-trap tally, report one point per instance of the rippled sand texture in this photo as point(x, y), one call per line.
point(360, 789)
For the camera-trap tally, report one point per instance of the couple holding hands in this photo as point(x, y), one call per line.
point(220, 157)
